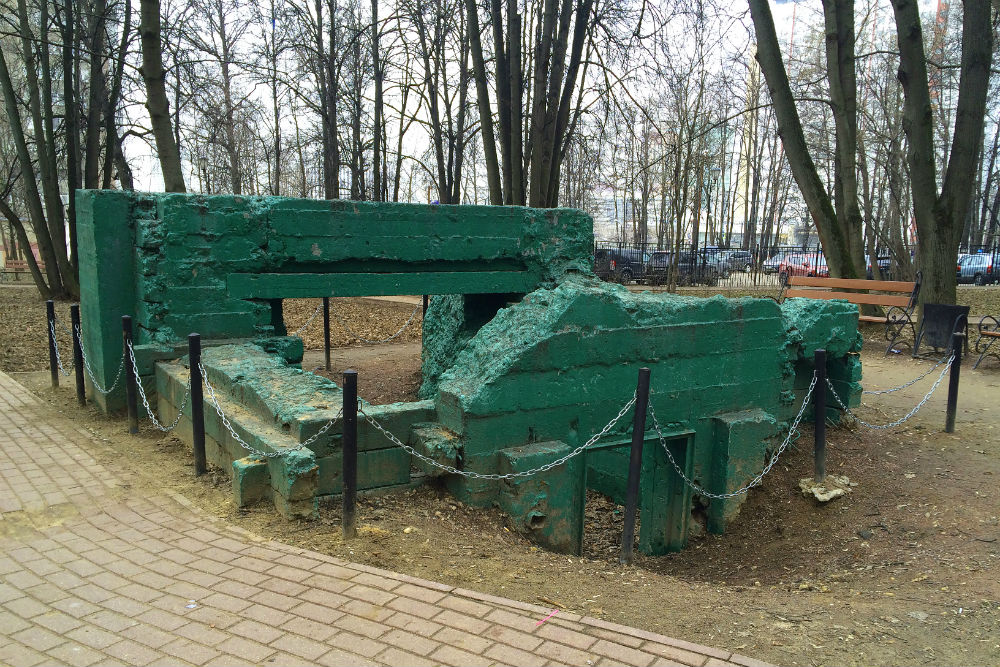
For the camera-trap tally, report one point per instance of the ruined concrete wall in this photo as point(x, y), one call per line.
point(727, 376)
point(208, 264)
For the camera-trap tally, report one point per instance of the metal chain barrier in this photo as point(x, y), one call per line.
point(882, 427)
point(145, 401)
point(792, 432)
point(309, 321)
point(511, 475)
point(911, 382)
point(55, 344)
point(384, 340)
point(247, 446)
point(90, 371)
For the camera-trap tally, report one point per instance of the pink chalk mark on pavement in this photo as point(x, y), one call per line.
point(547, 617)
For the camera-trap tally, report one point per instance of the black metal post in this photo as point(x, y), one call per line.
point(819, 418)
point(50, 314)
point(427, 300)
point(350, 452)
point(130, 379)
point(197, 404)
point(635, 465)
point(74, 318)
point(956, 367)
point(326, 331)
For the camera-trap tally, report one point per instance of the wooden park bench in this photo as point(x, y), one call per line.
point(16, 267)
point(898, 296)
point(989, 331)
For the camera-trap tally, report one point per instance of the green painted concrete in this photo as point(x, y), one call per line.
point(213, 265)
point(547, 506)
point(525, 354)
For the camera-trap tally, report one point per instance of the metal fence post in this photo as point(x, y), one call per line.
point(50, 316)
point(635, 465)
point(197, 404)
point(130, 378)
point(819, 419)
point(326, 332)
point(349, 449)
point(956, 367)
point(74, 318)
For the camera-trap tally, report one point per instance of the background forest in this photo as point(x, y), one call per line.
point(666, 120)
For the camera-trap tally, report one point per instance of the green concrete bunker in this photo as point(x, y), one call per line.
point(526, 355)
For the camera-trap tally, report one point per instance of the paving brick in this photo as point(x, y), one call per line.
point(92, 637)
point(11, 622)
point(201, 633)
point(674, 654)
point(300, 646)
point(246, 649)
point(563, 635)
point(284, 587)
point(361, 626)
point(132, 652)
point(414, 624)
point(75, 607)
point(309, 628)
point(317, 612)
point(395, 656)
point(276, 600)
point(74, 654)
point(462, 622)
point(256, 631)
point(357, 644)
point(563, 654)
point(622, 654)
point(744, 661)
point(190, 651)
point(340, 658)
point(449, 655)
point(367, 611)
point(26, 608)
point(110, 620)
point(266, 615)
point(509, 655)
point(37, 638)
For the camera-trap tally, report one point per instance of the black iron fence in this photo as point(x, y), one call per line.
point(765, 268)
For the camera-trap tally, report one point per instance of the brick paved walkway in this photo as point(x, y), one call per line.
point(93, 575)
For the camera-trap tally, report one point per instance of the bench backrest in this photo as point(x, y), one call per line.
point(19, 265)
point(905, 296)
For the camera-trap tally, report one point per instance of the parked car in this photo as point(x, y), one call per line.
point(739, 260)
point(979, 269)
point(803, 264)
point(884, 265)
point(621, 265)
point(691, 269)
point(774, 263)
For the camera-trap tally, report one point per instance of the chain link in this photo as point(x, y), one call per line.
point(309, 321)
point(90, 371)
point(55, 345)
point(792, 431)
point(910, 383)
point(882, 427)
point(243, 443)
point(511, 475)
point(145, 401)
point(377, 342)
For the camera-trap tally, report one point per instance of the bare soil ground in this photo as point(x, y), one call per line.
point(904, 570)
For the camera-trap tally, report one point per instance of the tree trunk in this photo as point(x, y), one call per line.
point(156, 96)
point(940, 218)
point(834, 237)
point(483, 103)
